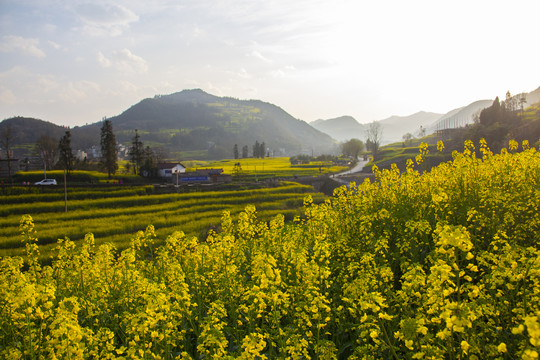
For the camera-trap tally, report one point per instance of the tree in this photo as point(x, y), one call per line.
point(109, 152)
point(374, 136)
point(149, 164)
point(496, 123)
point(407, 139)
point(235, 151)
point(421, 132)
point(522, 101)
point(7, 138)
point(65, 159)
point(262, 150)
point(160, 154)
point(152, 156)
point(511, 103)
point(244, 151)
point(46, 147)
point(352, 148)
point(256, 149)
point(492, 114)
point(136, 152)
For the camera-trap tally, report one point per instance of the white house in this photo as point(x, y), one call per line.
point(168, 170)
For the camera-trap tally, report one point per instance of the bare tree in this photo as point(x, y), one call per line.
point(47, 149)
point(160, 154)
point(421, 132)
point(136, 153)
point(522, 101)
point(374, 136)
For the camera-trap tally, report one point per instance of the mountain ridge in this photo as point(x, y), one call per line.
point(193, 120)
point(342, 128)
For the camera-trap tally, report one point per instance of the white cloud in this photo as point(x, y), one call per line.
point(23, 86)
point(103, 61)
point(55, 45)
point(279, 73)
point(125, 61)
point(102, 19)
point(12, 43)
point(7, 97)
point(242, 73)
point(258, 55)
point(75, 92)
point(128, 87)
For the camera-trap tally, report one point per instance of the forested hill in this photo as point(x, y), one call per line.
point(195, 120)
point(25, 130)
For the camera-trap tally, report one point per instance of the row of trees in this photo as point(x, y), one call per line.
point(258, 150)
point(66, 159)
point(305, 159)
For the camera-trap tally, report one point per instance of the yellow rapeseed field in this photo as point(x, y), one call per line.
point(439, 265)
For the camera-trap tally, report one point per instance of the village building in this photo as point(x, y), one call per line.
point(170, 170)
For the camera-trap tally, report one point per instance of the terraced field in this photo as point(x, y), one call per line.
point(114, 214)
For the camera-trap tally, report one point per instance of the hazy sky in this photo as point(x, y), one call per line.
point(73, 62)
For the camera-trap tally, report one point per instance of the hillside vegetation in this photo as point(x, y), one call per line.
point(440, 265)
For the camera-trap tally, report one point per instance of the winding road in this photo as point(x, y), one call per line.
point(357, 168)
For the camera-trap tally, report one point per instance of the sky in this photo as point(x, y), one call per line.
point(75, 62)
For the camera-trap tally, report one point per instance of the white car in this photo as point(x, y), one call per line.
point(46, 182)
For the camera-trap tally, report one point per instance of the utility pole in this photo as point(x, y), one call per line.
point(65, 190)
point(44, 165)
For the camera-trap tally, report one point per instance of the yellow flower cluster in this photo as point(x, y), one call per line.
point(439, 264)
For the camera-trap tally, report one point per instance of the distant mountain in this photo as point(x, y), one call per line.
point(27, 130)
point(459, 117)
point(195, 121)
point(342, 128)
point(533, 97)
point(395, 127)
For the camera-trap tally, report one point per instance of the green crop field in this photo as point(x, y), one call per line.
point(114, 214)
